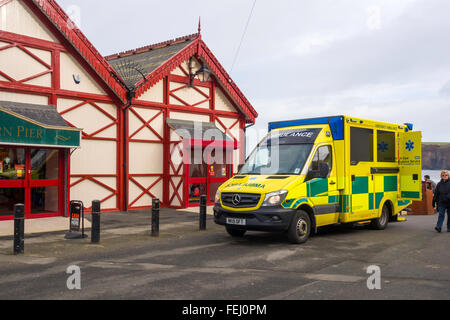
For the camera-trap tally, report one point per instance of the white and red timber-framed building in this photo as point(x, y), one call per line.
point(53, 81)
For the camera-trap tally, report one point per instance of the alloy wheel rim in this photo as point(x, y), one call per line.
point(302, 227)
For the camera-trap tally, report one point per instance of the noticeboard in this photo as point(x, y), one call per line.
point(76, 210)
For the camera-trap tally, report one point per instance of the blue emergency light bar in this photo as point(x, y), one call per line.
point(410, 126)
point(336, 125)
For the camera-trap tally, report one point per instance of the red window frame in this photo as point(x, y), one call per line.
point(27, 183)
point(209, 179)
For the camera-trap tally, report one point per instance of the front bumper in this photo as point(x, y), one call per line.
point(263, 219)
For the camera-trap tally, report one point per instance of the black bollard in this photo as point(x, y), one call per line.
point(95, 232)
point(155, 218)
point(202, 213)
point(19, 229)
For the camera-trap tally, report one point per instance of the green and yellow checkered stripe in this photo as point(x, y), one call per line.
point(370, 197)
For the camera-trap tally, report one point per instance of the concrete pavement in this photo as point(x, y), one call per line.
point(60, 224)
point(39, 226)
point(184, 263)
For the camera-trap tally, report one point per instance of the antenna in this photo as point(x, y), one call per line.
point(243, 36)
point(130, 71)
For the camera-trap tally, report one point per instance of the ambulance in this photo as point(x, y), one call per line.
point(310, 173)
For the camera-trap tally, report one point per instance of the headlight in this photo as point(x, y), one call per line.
point(275, 198)
point(217, 200)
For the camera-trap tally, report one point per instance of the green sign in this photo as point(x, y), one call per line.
point(18, 131)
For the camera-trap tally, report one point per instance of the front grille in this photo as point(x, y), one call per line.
point(246, 200)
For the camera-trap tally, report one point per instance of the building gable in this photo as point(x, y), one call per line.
point(145, 67)
point(16, 17)
point(54, 17)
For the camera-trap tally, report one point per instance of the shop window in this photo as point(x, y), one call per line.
point(386, 146)
point(218, 166)
point(197, 166)
point(44, 200)
point(196, 190)
point(361, 145)
point(44, 164)
point(10, 197)
point(213, 190)
point(12, 164)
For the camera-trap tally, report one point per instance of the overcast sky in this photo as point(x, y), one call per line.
point(387, 60)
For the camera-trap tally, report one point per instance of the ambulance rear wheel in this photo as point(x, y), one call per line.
point(300, 228)
point(236, 233)
point(382, 222)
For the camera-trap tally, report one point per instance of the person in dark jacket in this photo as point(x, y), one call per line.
point(442, 200)
point(430, 183)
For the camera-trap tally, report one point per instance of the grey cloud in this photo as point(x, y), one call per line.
point(445, 90)
point(398, 72)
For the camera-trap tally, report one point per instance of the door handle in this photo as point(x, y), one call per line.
point(332, 182)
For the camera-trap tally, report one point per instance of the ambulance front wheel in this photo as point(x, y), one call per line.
point(300, 228)
point(382, 222)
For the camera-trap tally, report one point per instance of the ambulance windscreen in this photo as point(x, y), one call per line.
point(285, 159)
point(283, 152)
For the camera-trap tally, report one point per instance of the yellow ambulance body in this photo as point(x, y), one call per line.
point(311, 173)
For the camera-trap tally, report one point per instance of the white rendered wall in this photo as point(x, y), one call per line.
point(154, 94)
point(95, 157)
point(16, 17)
point(69, 68)
point(146, 155)
point(222, 103)
point(28, 67)
point(23, 98)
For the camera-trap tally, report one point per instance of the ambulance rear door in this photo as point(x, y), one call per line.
point(410, 164)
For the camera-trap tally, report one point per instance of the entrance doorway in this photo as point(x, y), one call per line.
point(33, 177)
point(208, 170)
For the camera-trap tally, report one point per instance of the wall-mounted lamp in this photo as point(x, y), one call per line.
point(77, 78)
point(203, 74)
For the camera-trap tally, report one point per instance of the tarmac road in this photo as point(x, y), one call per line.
point(184, 263)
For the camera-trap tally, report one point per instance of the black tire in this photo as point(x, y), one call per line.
point(236, 233)
point(382, 222)
point(300, 228)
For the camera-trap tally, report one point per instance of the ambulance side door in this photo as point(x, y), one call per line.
point(361, 161)
point(323, 192)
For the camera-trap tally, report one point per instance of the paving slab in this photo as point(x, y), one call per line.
point(36, 226)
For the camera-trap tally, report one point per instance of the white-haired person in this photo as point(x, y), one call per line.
point(442, 200)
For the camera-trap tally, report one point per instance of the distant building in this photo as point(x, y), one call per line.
point(57, 92)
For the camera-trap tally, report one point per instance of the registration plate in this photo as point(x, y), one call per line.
point(236, 222)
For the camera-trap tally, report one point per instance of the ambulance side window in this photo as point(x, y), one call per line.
point(361, 145)
point(323, 154)
point(386, 146)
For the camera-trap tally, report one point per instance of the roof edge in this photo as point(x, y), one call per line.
point(38, 123)
point(152, 47)
point(56, 15)
point(226, 80)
